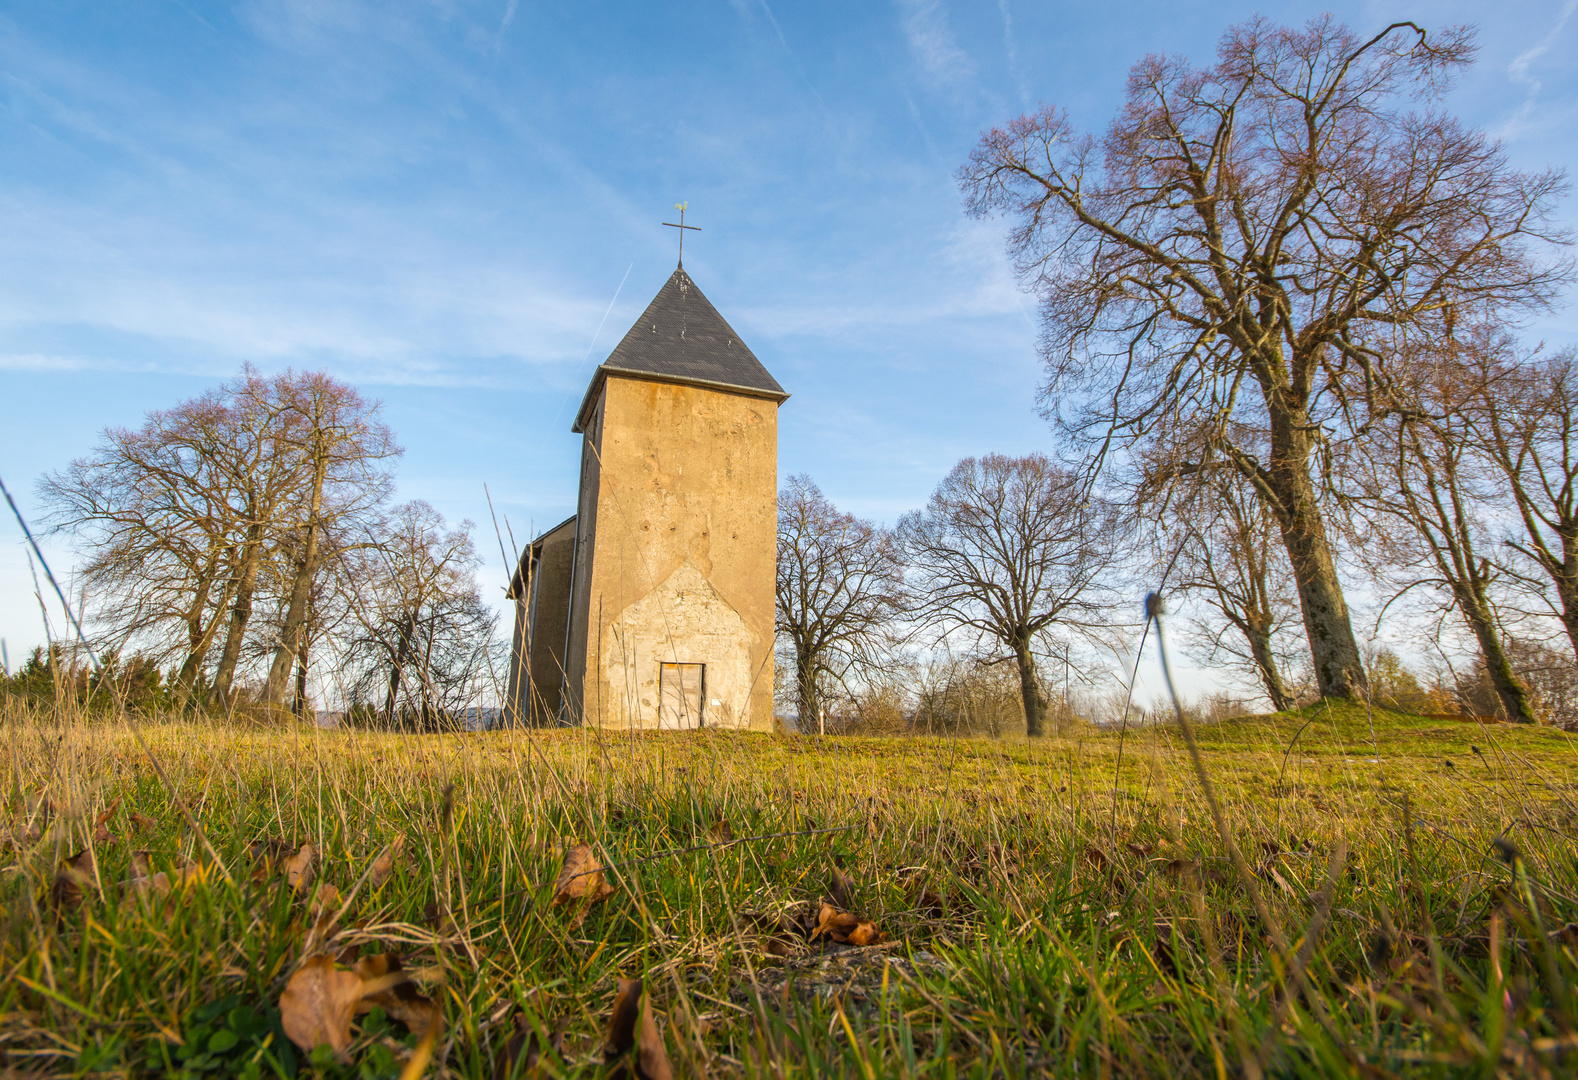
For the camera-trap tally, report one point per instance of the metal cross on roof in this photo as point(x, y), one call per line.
point(680, 206)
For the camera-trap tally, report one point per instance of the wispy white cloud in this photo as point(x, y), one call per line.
point(1011, 54)
point(933, 45)
point(1522, 72)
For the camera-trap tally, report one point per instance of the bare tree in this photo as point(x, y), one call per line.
point(1248, 244)
point(1523, 416)
point(1229, 555)
point(187, 520)
point(424, 633)
point(1010, 547)
point(345, 451)
point(262, 476)
point(1424, 501)
point(155, 512)
point(840, 586)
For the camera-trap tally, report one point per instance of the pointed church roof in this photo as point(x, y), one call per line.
point(680, 337)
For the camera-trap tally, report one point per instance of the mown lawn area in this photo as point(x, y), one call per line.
point(1371, 895)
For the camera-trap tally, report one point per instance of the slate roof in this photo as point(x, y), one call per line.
point(682, 338)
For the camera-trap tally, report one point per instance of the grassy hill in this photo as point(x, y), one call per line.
point(1357, 894)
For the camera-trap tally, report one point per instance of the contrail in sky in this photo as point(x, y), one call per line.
point(604, 319)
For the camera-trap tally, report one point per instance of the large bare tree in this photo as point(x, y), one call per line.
point(187, 520)
point(840, 587)
point(156, 514)
point(345, 450)
point(1007, 548)
point(1248, 243)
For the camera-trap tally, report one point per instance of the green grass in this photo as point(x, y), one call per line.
point(1046, 914)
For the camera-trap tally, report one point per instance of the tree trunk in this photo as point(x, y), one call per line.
point(240, 615)
point(1270, 674)
point(1339, 671)
point(805, 686)
point(300, 592)
point(1029, 693)
point(299, 707)
point(397, 669)
point(199, 640)
point(1510, 691)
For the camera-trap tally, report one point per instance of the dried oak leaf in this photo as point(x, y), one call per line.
point(101, 831)
point(318, 1003)
point(525, 1048)
point(298, 868)
point(780, 945)
point(267, 855)
point(387, 985)
point(383, 866)
point(926, 901)
point(75, 874)
point(839, 888)
point(143, 880)
point(844, 928)
point(631, 1025)
point(580, 881)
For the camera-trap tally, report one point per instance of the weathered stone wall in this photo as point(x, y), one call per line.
point(549, 621)
point(582, 611)
point(684, 550)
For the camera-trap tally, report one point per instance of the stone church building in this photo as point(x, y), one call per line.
point(652, 607)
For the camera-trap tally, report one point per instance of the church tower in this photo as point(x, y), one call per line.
point(652, 608)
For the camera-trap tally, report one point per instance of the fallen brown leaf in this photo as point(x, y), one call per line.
point(865, 933)
point(318, 1004)
point(143, 879)
point(101, 830)
point(526, 1047)
point(323, 908)
point(830, 921)
point(383, 866)
point(298, 868)
point(581, 879)
point(780, 945)
point(927, 902)
point(631, 1025)
point(387, 985)
point(839, 888)
point(844, 928)
point(75, 874)
point(1282, 882)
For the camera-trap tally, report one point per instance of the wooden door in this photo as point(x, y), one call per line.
point(680, 697)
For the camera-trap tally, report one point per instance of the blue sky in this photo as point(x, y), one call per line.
point(439, 202)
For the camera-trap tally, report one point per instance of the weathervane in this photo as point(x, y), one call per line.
point(680, 206)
